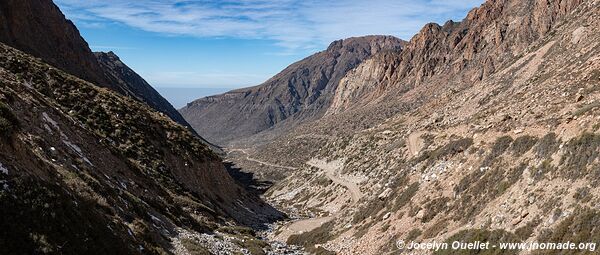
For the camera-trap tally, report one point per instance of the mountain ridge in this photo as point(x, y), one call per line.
point(300, 92)
point(39, 28)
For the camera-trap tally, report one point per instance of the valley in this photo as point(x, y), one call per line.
point(470, 131)
point(474, 131)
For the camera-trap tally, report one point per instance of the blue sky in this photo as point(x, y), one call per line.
point(237, 43)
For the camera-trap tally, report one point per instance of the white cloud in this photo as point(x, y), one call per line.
point(293, 24)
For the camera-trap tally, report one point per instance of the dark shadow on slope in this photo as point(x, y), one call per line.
point(265, 213)
point(247, 180)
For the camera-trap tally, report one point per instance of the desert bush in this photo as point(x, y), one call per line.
point(406, 195)
point(435, 207)
point(498, 148)
point(8, 121)
point(523, 144)
point(452, 148)
point(583, 195)
point(472, 235)
point(413, 234)
point(582, 226)
point(194, 248)
point(318, 235)
point(542, 170)
point(435, 229)
point(526, 231)
point(580, 152)
point(368, 210)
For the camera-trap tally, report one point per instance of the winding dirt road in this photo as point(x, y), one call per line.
point(331, 170)
point(258, 161)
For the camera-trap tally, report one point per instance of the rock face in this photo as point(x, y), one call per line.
point(135, 86)
point(301, 92)
point(454, 54)
point(39, 28)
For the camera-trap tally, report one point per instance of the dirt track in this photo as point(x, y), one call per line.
point(332, 172)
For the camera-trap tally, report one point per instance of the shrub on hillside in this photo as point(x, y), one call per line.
point(8, 121)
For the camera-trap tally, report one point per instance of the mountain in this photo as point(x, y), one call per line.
point(84, 169)
point(134, 85)
point(480, 130)
point(39, 28)
point(303, 91)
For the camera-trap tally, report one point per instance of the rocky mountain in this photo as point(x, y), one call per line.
point(301, 92)
point(135, 86)
point(39, 28)
point(480, 130)
point(86, 170)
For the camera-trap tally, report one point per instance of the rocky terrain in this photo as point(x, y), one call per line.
point(480, 130)
point(300, 93)
point(85, 169)
point(135, 86)
point(39, 28)
point(92, 162)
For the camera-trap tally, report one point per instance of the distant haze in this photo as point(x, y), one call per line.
point(179, 97)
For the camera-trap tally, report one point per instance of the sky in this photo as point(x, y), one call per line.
point(226, 44)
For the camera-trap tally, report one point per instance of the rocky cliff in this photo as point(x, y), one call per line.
point(301, 92)
point(39, 28)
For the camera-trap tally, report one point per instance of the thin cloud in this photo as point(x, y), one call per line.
point(292, 24)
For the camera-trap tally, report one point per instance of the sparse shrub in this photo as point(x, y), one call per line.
point(481, 186)
point(582, 226)
point(435, 229)
point(586, 108)
point(413, 234)
point(472, 235)
point(452, 148)
point(526, 231)
point(523, 144)
point(435, 207)
point(8, 121)
point(406, 195)
point(583, 195)
point(579, 153)
point(368, 210)
point(255, 246)
point(318, 235)
point(499, 147)
point(541, 171)
point(194, 248)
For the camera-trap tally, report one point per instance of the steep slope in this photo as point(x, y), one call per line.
point(467, 134)
point(301, 92)
point(39, 28)
point(456, 54)
point(86, 170)
point(133, 84)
